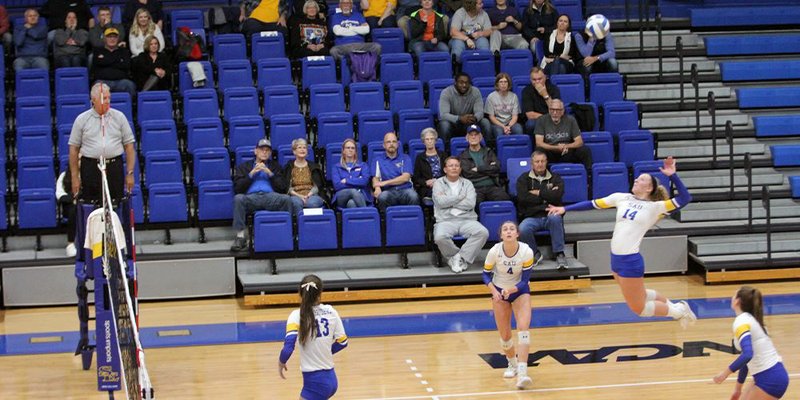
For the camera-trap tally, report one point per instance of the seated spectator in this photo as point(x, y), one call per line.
point(479, 164)
point(299, 8)
point(97, 33)
point(55, 11)
point(502, 109)
point(460, 106)
point(152, 6)
point(351, 179)
point(539, 20)
point(191, 49)
point(537, 190)
point(560, 53)
point(470, 28)
point(428, 30)
point(30, 40)
point(69, 48)
point(142, 27)
point(536, 98)
point(306, 182)
point(559, 137)
point(429, 164)
point(506, 27)
point(403, 13)
point(379, 13)
point(309, 32)
point(259, 185)
point(263, 16)
point(392, 176)
point(112, 64)
point(152, 68)
point(449, 7)
point(5, 29)
point(350, 28)
point(67, 203)
point(454, 210)
point(598, 55)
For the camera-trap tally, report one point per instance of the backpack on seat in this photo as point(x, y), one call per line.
point(363, 66)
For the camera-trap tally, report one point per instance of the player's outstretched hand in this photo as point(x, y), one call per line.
point(281, 368)
point(669, 166)
point(555, 210)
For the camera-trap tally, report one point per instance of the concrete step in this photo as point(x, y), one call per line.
point(672, 91)
point(710, 179)
point(742, 244)
point(686, 119)
point(671, 64)
point(630, 40)
point(689, 148)
point(737, 210)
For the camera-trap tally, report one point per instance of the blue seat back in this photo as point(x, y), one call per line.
point(605, 86)
point(204, 132)
point(390, 39)
point(485, 84)
point(396, 67)
point(516, 62)
point(32, 82)
point(601, 144)
point(267, 45)
point(620, 116)
point(281, 99)
point(35, 172)
point(122, 102)
point(513, 146)
point(235, 73)
point(168, 202)
point(317, 232)
point(34, 141)
point(411, 122)
point(154, 105)
point(185, 80)
point(361, 228)
point(373, 125)
point(273, 72)
point(215, 200)
point(478, 63)
point(69, 106)
point(492, 214)
point(576, 187)
point(435, 88)
point(284, 128)
point(239, 102)
point(316, 70)
point(609, 178)
point(211, 164)
point(200, 103)
point(334, 127)
point(158, 135)
point(137, 203)
point(514, 168)
point(245, 131)
point(163, 166)
point(636, 145)
point(435, 65)
point(571, 87)
point(33, 110)
point(366, 96)
point(229, 46)
point(405, 226)
point(405, 95)
point(375, 150)
point(37, 208)
point(272, 231)
point(192, 19)
point(72, 80)
point(326, 97)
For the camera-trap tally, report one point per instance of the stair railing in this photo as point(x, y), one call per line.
point(765, 201)
point(679, 50)
point(712, 110)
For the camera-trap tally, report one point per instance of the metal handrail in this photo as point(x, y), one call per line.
point(696, 85)
point(660, 45)
point(765, 201)
point(729, 139)
point(748, 171)
point(712, 110)
point(679, 50)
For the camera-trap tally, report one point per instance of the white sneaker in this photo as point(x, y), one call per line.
point(524, 381)
point(688, 318)
point(70, 250)
point(455, 263)
point(464, 264)
point(510, 372)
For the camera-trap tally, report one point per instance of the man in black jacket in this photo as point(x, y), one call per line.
point(112, 64)
point(479, 164)
point(535, 191)
point(259, 185)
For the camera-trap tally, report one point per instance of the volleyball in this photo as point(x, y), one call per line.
point(597, 26)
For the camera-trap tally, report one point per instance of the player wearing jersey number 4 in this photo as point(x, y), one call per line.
point(637, 212)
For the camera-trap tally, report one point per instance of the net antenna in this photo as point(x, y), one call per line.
point(134, 370)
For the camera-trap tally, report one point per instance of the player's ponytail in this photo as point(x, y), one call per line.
point(658, 192)
point(310, 291)
point(750, 301)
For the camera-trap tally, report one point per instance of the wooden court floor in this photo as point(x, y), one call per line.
point(432, 366)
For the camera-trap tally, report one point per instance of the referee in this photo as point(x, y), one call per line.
point(86, 141)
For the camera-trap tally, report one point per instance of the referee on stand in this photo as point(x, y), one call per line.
point(86, 141)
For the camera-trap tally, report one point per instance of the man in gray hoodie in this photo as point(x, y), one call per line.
point(460, 106)
point(454, 210)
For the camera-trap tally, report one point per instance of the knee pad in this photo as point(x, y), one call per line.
point(649, 309)
point(524, 337)
point(651, 295)
point(506, 344)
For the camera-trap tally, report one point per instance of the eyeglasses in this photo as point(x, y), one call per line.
point(556, 109)
point(350, 147)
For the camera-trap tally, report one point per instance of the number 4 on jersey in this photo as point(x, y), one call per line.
point(630, 214)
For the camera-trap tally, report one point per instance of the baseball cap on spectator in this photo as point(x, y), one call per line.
point(264, 143)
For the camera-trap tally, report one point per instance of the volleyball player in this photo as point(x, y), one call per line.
point(758, 353)
point(321, 335)
point(637, 212)
point(507, 272)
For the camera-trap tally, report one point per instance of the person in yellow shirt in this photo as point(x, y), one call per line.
point(264, 15)
point(380, 13)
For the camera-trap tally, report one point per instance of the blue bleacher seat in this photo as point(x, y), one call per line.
point(516, 62)
point(396, 67)
point(235, 73)
point(317, 232)
point(513, 146)
point(241, 101)
point(121, 101)
point(35, 172)
point(204, 132)
point(609, 178)
point(519, 84)
point(284, 128)
point(285, 154)
point(73, 80)
point(34, 110)
point(390, 39)
point(185, 80)
point(200, 103)
point(620, 116)
point(435, 65)
point(154, 105)
point(435, 88)
point(63, 132)
point(366, 96)
point(595, 111)
point(777, 125)
point(373, 125)
point(324, 98)
point(606, 86)
point(267, 45)
point(137, 203)
point(459, 143)
point(576, 187)
point(478, 63)
point(334, 127)
point(794, 181)
point(34, 141)
point(760, 70)
point(158, 135)
point(229, 46)
point(215, 199)
point(574, 9)
point(635, 145)
point(192, 19)
point(405, 226)
point(245, 131)
point(32, 82)
point(411, 122)
point(776, 43)
point(514, 168)
point(163, 166)
point(768, 97)
point(485, 84)
point(346, 73)
point(361, 227)
point(273, 72)
point(316, 70)
point(739, 15)
point(786, 155)
point(601, 144)
point(492, 214)
point(69, 106)
point(281, 99)
point(272, 231)
point(416, 146)
point(211, 164)
point(652, 167)
point(3, 213)
point(167, 202)
point(404, 95)
point(571, 87)
point(37, 208)
point(375, 149)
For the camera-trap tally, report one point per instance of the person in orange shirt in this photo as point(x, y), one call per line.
point(264, 15)
point(380, 13)
point(428, 30)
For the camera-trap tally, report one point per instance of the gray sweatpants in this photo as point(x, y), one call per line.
point(474, 231)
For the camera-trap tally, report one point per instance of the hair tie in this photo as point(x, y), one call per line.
point(309, 285)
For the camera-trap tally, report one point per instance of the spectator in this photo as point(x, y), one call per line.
point(560, 53)
point(5, 29)
point(152, 6)
point(460, 106)
point(470, 28)
point(454, 210)
point(30, 40)
point(142, 27)
point(259, 185)
point(536, 98)
point(112, 64)
point(502, 109)
point(479, 164)
point(350, 179)
point(350, 27)
point(429, 165)
point(97, 33)
point(309, 32)
point(598, 55)
point(306, 182)
point(67, 202)
point(449, 7)
point(152, 68)
point(559, 136)
point(379, 13)
point(392, 177)
point(536, 190)
point(506, 28)
point(260, 16)
point(55, 11)
point(403, 13)
point(69, 44)
point(428, 30)
point(299, 8)
point(539, 20)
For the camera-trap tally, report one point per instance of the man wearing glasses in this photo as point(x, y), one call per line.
point(559, 137)
point(536, 97)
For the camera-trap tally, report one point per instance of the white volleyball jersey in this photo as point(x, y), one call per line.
point(316, 354)
point(764, 353)
point(634, 218)
point(508, 268)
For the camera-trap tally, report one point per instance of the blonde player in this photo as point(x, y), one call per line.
point(506, 272)
point(758, 353)
point(637, 212)
point(321, 335)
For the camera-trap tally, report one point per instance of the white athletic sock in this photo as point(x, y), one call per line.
point(675, 310)
point(240, 234)
point(522, 369)
point(512, 361)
